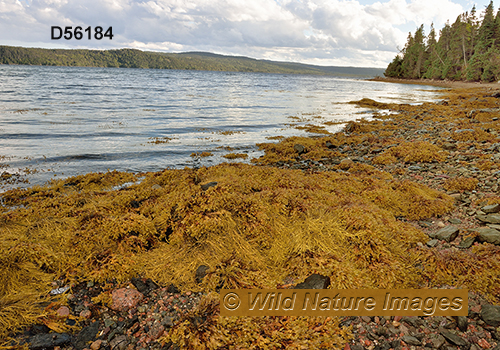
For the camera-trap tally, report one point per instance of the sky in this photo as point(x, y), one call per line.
point(359, 33)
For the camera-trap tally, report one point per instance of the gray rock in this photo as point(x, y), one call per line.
point(491, 314)
point(86, 335)
point(432, 243)
point(462, 322)
point(455, 221)
point(489, 235)
point(49, 340)
point(448, 233)
point(208, 185)
point(119, 343)
point(408, 339)
point(467, 243)
point(453, 338)
point(493, 208)
point(315, 281)
point(299, 148)
point(437, 341)
point(489, 218)
point(201, 272)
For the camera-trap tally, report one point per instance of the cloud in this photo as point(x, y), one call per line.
point(342, 32)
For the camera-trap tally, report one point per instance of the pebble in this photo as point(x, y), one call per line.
point(125, 299)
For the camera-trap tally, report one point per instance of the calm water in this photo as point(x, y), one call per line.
point(64, 121)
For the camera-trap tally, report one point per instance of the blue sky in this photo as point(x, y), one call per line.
point(326, 32)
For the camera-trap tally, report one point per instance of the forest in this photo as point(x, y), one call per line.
point(132, 58)
point(467, 50)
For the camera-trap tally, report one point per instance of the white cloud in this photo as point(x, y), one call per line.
point(322, 31)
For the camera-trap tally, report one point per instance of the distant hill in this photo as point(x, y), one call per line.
point(131, 58)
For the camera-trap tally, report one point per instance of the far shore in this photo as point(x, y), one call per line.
point(439, 83)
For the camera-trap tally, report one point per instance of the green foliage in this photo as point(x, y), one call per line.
point(466, 50)
point(131, 58)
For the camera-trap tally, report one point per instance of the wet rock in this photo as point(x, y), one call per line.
point(201, 272)
point(408, 339)
point(299, 148)
point(346, 162)
point(448, 233)
point(43, 341)
point(454, 339)
point(489, 218)
point(125, 299)
point(489, 235)
point(208, 185)
point(144, 287)
point(491, 209)
point(63, 311)
point(491, 315)
point(315, 281)
point(86, 335)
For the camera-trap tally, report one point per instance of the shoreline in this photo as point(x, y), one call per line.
point(456, 138)
point(438, 83)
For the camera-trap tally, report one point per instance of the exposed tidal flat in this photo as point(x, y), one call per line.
point(408, 198)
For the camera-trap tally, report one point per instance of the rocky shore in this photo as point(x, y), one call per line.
point(457, 153)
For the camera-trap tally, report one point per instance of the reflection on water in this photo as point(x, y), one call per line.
point(66, 121)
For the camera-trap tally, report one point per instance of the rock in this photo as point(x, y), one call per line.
point(455, 221)
point(208, 185)
point(408, 339)
point(299, 148)
point(467, 242)
point(489, 235)
point(119, 343)
point(448, 233)
point(156, 187)
point(453, 338)
point(489, 218)
point(125, 299)
point(315, 281)
point(437, 341)
point(201, 272)
point(491, 314)
point(330, 145)
point(141, 286)
point(493, 208)
point(172, 288)
point(86, 335)
point(86, 314)
point(49, 340)
point(96, 345)
point(449, 146)
point(346, 162)
point(63, 311)
point(462, 322)
point(432, 243)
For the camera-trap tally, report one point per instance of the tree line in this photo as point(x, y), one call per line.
point(468, 49)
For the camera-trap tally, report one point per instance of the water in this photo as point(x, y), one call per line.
point(62, 121)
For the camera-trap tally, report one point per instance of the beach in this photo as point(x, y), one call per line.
point(407, 199)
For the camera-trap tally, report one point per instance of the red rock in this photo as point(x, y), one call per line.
point(96, 345)
point(397, 318)
point(156, 331)
point(86, 314)
point(483, 343)
point(125, 299)
point(63, 311)
point(347, 347)
point(368, 342)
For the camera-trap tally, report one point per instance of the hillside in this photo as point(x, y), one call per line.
point(131, 58)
